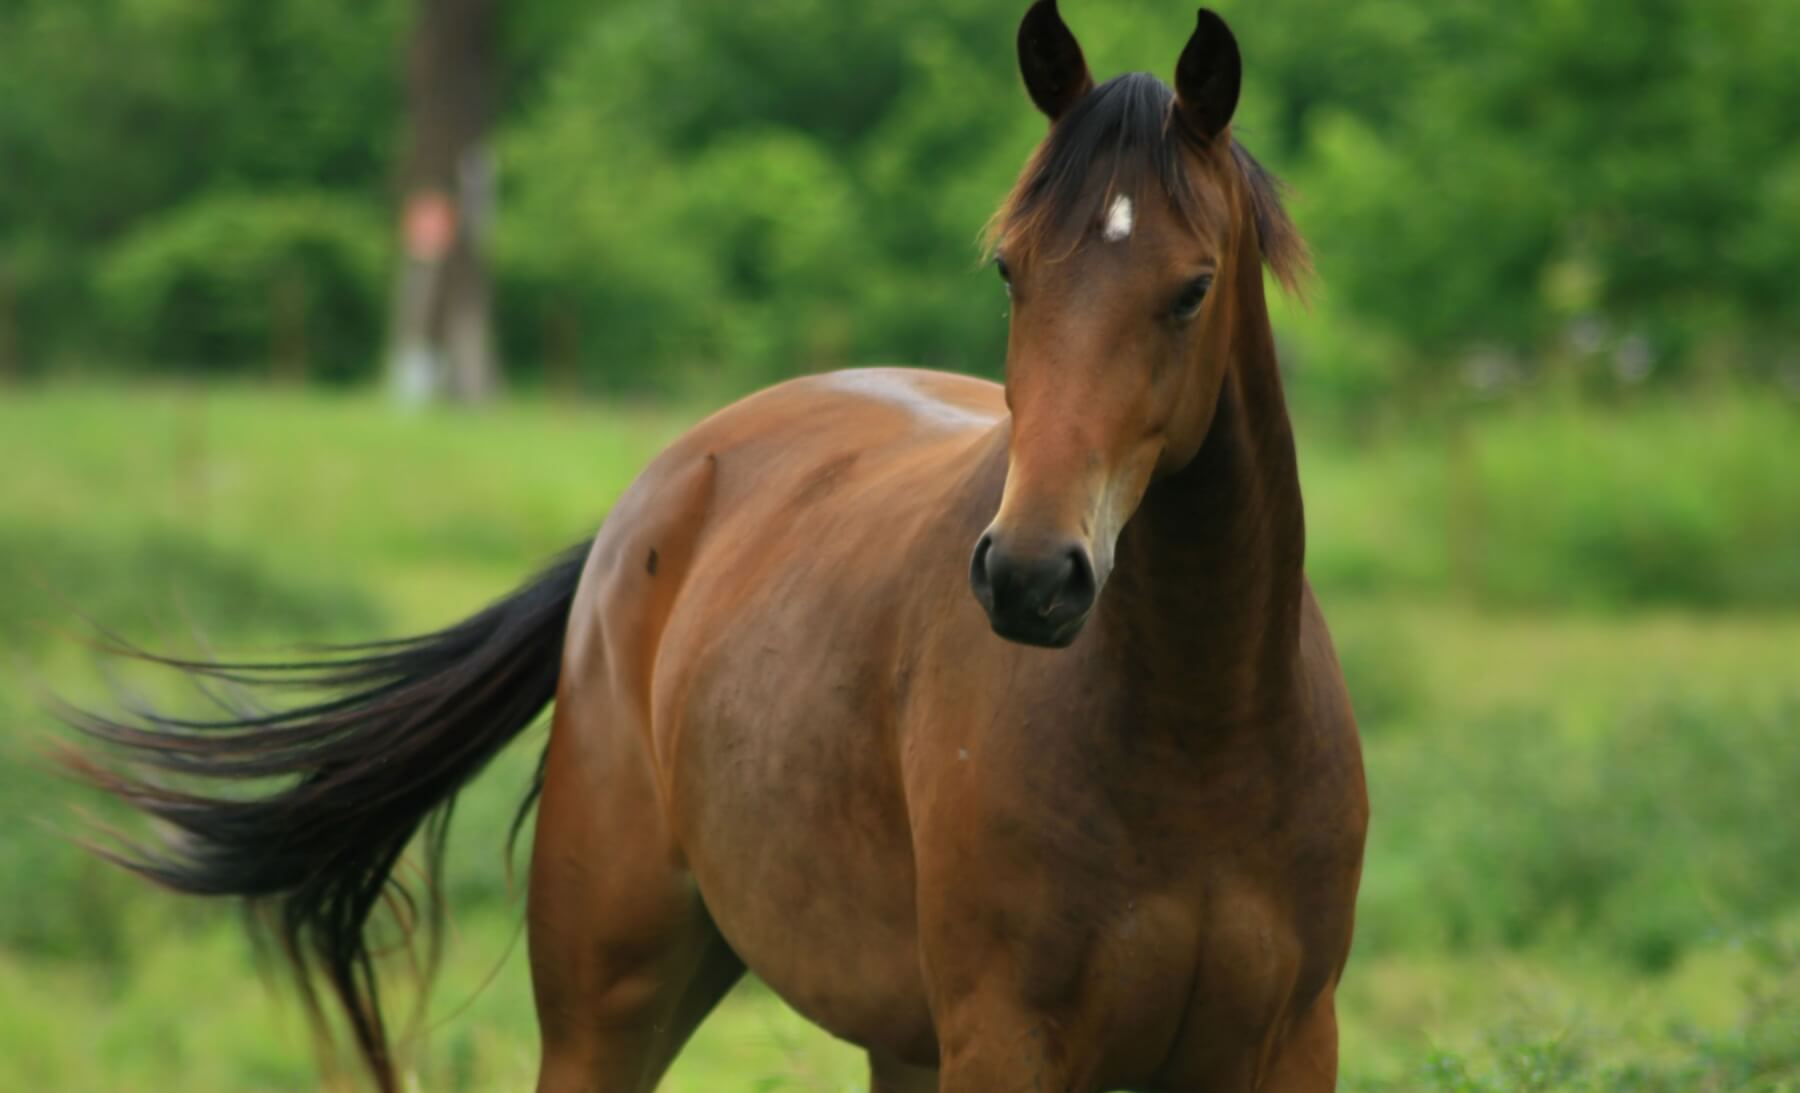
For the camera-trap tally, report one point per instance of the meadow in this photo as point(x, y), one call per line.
point(1573, 637)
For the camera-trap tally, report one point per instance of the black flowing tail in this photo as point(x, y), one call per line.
point(396, 729)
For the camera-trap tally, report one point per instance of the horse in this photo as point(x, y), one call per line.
point(995, 727)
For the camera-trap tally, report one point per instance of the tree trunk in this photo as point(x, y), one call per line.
point(442, 345)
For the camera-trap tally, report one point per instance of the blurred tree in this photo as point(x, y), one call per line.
point(719, 194)
point(125, 120)
point(443, 340)
point(232, 281)
point(1594, 180)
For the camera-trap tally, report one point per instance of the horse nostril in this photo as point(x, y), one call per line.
point(1072, 588)
point(1080, 587)
point(979, 577)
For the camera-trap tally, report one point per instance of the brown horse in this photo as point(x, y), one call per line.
point(1098, 825)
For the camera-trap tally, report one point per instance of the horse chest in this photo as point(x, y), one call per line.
point(1188, 917)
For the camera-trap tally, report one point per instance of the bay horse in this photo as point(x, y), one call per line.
point(995, 728)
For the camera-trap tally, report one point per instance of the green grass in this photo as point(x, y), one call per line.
point(1584, 871)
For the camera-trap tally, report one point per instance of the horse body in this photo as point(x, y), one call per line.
point(956, 805)
point(1145, 845)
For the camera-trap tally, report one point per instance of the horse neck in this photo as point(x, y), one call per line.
point(1208, 580)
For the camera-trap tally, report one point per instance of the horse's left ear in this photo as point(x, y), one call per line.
point(1208, 77)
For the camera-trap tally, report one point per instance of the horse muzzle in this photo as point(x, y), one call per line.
point(1035, 596)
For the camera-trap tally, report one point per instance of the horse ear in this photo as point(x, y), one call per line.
point(1050, 59)
point(1208, 77)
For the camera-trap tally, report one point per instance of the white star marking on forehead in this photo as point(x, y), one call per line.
point(1118, 220)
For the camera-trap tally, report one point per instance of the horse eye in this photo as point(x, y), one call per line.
point(1005, 272)
point(1187, 305)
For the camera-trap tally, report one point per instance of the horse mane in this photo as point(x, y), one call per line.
point(1126, 126)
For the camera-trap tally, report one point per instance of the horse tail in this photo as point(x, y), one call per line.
point(392, 732)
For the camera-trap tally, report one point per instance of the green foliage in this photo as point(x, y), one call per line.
point(122, 113)
point(1646, 829)
point(716, 194)
point(1377, 665)
point(231, 281)
point(1760, 1054)
point(730, 231)
point(1594, 177)
point(1685, 502)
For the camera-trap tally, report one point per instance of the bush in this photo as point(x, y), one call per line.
point(228, 283)
point(1688, 504)
point(750, 229)
point(1638, 836)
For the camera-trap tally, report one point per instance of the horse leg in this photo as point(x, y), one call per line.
point(625, 960)
point(888, 1076)
point(990, 1042)
point(1307, 1061)
point(1015, 1063)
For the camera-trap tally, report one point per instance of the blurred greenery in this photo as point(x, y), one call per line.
point(706, 195)
point(1582, 874)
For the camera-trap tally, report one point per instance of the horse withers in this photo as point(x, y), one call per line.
point(996, 729)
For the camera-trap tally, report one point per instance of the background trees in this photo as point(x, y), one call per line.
point(708, 193)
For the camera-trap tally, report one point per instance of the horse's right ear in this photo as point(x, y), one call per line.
point(1050, 59)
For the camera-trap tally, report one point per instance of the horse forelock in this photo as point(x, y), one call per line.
point(1113, 150)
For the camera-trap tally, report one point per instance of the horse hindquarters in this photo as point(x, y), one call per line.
point(625, 960)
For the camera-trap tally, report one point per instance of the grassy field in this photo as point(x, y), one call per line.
point(1574, 641)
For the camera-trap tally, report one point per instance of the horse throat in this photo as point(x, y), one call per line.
point(1209, 574)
